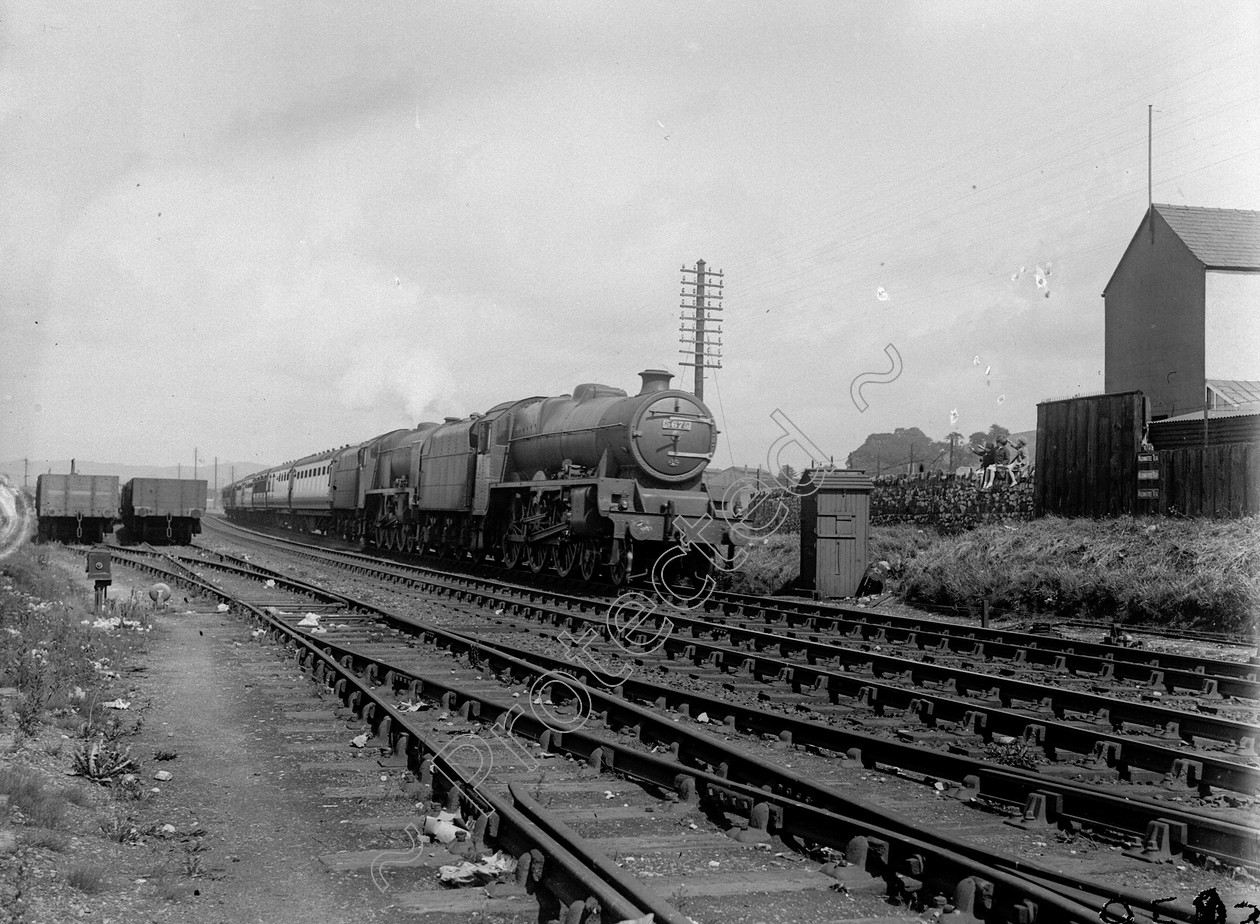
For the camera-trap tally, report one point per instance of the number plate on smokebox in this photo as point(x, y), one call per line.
point(675, 424)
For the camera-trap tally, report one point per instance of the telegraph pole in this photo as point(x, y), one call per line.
point(194, 463)
point(215, 498)
point(702, 340)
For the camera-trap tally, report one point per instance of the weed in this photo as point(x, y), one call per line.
point(46, 838)
point(76, 796)
point(1014, 754)
point(87, 877)
point(127, 788)
point(680, 899)
point(102, 762)
point(165, 755)
point(42, 806)
point(539, 786)
point(192, 864)
point(118, 827)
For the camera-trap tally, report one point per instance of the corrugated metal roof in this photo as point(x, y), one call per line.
point(1221, 238)
point(1187, 429)
point(1236, 392)
point(1213, 414)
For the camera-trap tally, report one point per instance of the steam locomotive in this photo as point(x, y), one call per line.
point(594, 483)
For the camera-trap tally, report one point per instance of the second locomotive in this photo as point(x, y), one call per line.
point(594, 482)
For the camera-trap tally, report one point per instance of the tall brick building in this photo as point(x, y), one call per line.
point(1183, 310)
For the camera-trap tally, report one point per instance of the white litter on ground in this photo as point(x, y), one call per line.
point(442, 827)
point(484, 870)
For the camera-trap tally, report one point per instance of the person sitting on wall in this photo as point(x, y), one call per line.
point(1001, 462)
point(987, 455)
point(1018, 467)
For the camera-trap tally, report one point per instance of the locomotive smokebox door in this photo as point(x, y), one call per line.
point(98, 562)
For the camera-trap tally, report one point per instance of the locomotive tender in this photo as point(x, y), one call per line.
point(596, 480)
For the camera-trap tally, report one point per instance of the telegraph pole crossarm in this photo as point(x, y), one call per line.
point(701, 334)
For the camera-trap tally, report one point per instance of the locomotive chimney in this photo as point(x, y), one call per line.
point(654, 380)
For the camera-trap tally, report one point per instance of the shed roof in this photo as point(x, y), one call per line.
point(1227, 239)
point(1216, 413)
point(1237, 393)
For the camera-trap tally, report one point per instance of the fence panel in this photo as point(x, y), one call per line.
point(1227, 486)
point(1087, 455)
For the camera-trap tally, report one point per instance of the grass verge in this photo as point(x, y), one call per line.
point(1200, 574)
point(53, 648)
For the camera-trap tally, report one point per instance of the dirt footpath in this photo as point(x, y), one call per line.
point(264, 835)
point(268, 813)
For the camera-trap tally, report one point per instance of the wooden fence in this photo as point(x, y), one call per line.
point(1087, 455)
point(1227, 486)
point(1087, 465)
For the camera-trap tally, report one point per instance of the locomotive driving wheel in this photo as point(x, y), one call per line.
point(537, 555)
point(588, 559)
point(621, 562)
point(509, 550)
point(564, 557)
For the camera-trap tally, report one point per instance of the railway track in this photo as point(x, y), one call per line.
point(1171, 672)
point(736, 765)
point(931, 695)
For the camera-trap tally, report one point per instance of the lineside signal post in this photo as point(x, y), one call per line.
point(98, 565)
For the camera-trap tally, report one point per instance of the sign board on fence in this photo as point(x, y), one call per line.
point(1148, 475)
point(1148, 493)
point(1148, 457)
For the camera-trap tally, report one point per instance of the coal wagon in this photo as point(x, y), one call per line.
point(76, 508)
point(163, 510)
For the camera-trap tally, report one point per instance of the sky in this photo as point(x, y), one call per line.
point(265, 229)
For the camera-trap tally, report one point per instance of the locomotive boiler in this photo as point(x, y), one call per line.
point(598, 481)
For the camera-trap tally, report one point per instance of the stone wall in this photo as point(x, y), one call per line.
point(948, 501)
